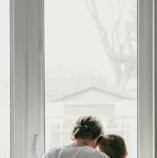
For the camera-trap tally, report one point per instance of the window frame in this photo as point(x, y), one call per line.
point(146, 79)
point(28, 77)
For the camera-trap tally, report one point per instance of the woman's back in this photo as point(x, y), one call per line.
point(74, 152)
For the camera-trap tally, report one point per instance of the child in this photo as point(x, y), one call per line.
point(113, 145)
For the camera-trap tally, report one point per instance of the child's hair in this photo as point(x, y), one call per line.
point(87, 127)
point(113, 145)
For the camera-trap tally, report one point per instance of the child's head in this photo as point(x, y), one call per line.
point(113, 145)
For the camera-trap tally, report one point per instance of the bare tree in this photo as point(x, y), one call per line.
point(122, 53)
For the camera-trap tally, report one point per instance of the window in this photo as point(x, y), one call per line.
point(27, 79)
point(91, 67)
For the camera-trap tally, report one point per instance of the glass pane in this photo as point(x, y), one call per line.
point(4, 80)
point(91, 67)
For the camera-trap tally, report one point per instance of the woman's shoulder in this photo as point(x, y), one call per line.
point(91, 152)
point(100, 154)
point(80, 150)
point(103, 155)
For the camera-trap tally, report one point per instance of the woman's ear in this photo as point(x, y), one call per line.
point(97, 138)
point(94, 143)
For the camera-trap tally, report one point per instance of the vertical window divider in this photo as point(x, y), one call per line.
point(146, 115)
point(27, 78)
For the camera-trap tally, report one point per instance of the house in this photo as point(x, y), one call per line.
point(92, 99)
point(116, 111)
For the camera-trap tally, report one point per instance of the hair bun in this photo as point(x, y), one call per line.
point(85, 127)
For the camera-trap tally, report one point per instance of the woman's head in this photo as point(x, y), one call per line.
point(113, 145)
point(87, 128)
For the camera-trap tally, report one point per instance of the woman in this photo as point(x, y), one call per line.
point(85, 134)
point(113, 145)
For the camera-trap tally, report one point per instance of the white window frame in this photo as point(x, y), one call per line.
point(146, 79)
point(27, 78)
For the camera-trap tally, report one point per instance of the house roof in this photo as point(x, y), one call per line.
point(123, 95)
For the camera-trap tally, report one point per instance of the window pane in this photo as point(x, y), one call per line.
point(91, 67)
point(4, 80)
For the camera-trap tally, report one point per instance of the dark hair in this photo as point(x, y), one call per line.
point(87, 127)
point(113, 145)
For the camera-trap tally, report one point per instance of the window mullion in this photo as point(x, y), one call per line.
point(145, 79)
point(27, 79)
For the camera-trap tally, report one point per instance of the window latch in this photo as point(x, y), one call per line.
point(35, 146)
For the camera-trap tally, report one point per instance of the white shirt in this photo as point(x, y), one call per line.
point(74, 152)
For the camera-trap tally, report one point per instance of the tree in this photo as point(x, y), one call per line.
point(120, 44)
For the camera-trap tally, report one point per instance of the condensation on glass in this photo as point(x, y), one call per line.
point(4, 80)
point(91, 67)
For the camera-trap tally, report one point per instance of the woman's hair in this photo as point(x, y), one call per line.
point(87, 127)
point(113, 145)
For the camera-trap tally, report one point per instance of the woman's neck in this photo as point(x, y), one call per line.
point(80, 142)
